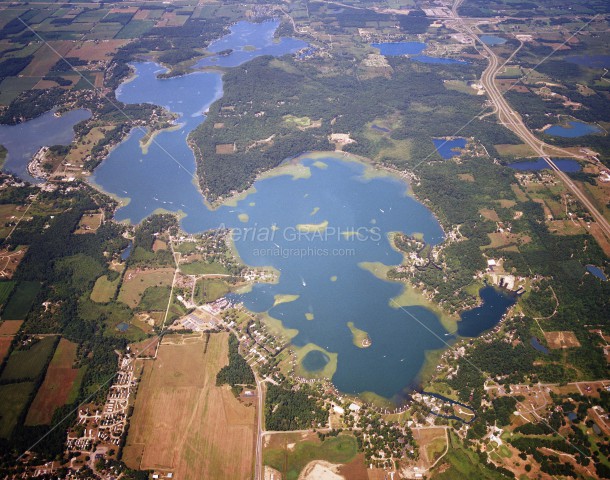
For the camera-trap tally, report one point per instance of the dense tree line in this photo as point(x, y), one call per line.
point(237, 372)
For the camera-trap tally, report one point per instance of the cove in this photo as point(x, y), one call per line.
point(495, 304)
point(24, 139)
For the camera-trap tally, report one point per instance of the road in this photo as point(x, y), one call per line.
point(513, 121)
point(259, 473)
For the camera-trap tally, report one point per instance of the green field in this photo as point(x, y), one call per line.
point(13, 399)
point(203, 268)
point(290, 463)
point(28, 364)
point(154, 299)
point(104, 289)
point(21, 301)
point(210, 289)
point(5, 290)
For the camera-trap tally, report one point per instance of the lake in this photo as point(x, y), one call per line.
point(447, 148)
point(487, 315)
point(567, 165)
point(337, 225)
point(598, 272)
point(249, 40)
point(535, 343)
point(573, 130)
point(397, 49)
point(591, 61)
point(24, 139)
point(492, 40)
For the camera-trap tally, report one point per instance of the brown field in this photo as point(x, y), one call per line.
point(509, 150)
point(507, 241)
point(89, 223)
point(225, 148)
point(56, 387)
point(561, 340)
point(489, 214)
point(5, 344)
point(136, 281)
point(145, 348)
point(504, 203)
point(432, 443)
point(100, 51)
point(565, 227)
point(506, 84)
point(219, 125)
point(45, 57)
point(599, 235)
point(141, 15)
point(467, 177)
point(159, 245)
point(183, 423)
point(10, 327)
point(354, 470)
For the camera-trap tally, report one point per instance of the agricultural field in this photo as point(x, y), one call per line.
point(10, 327)
point(212, 434)
point(136, 281)
point(57, 387)
point(5, 345)
point(292, 453)
point(89, 223)
point(28, 364)
point(21, 301)
point(6, 289)
point(13, 399)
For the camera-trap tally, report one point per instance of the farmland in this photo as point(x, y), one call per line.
point(57, 386)
point(210, 289)
point(10, 327)
point(5, 290)
point(104, 289)
point(21, 301)
point(28, 364)
point(212, 434)
point(13, 398)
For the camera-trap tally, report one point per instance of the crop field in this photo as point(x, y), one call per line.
point(5, 345)
point(28, 364)
point(104, 289)
point(6, 289)
point(212, 434)
point(561, 340)
point(21, 301)
point(289, 454)
point(13, 398)
point(57, 385)
point(99, 51)
point(10, 327)
point(45, 57)
point(136, 281)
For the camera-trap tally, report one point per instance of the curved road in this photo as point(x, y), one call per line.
point(512, 120)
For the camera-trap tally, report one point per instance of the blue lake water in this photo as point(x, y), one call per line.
point(538, 346)
point(322, 268)
point(396, 49)
point(567, 165)
point(487, 315)
point(445, 148)
point(598, 272)
point(250, 40)
point(575, 129)
point(591, 61)
point(492, 40)
point(24, 139)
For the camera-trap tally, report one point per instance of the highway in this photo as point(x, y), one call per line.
point(513, 121)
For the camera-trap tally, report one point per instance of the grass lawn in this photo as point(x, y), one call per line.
point(290, 463)
point(13, 398)
point(154, 298)
point(28, 364)
point(21, 301)
point(136, 281)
